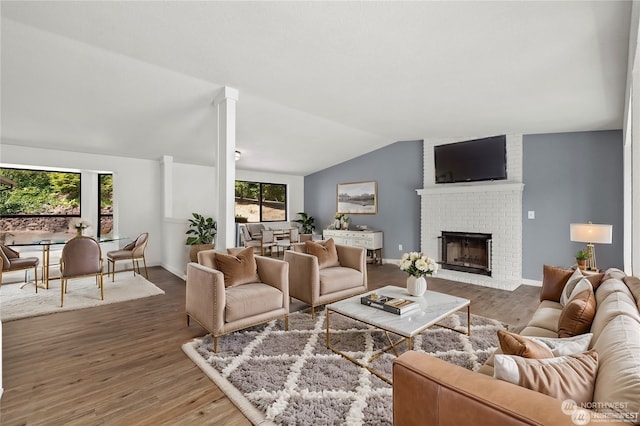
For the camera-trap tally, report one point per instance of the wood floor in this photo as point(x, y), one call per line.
point(122, 364)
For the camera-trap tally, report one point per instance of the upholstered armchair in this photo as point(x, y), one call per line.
point(324, 272)
point(234, 290)
point(10, 261)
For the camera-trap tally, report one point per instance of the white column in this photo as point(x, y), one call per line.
point(225, 102)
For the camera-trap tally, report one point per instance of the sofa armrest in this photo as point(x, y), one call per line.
point(429, 391)
point(304, 276)
point(275, 273)
point(205, 297)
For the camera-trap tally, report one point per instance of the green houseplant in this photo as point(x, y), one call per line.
point(306, 223)
point(581, 258)
point(200, 235)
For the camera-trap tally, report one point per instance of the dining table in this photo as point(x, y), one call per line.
point(46, 251)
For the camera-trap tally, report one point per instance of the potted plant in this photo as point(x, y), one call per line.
point(202, 230)
point(306, 223)
point(581, 259)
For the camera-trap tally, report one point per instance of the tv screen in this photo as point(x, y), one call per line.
point(471, 161)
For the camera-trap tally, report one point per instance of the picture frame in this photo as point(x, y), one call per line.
point(357, 197)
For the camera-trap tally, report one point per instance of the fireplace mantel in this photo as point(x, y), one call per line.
point(467, 188)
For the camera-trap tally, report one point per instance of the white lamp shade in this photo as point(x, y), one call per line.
point(591, 233)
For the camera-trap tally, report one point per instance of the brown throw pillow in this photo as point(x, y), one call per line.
point(514, 344)
point(325, 251)
point(553, 282)
point(595, 280)
point(567, 377)
point(577, 315)
point(238, 269)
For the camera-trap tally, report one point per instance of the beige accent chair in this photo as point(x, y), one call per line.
point(317, 286)
point(133, 251)
point(10, 261)
point(222, 309)
point(248, 240)
point(81, 257)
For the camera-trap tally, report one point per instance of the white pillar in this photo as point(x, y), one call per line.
point(225, 102)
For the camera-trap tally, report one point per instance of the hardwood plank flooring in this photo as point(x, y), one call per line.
point(122, 364)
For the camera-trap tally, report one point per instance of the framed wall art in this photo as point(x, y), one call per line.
point(357, 198)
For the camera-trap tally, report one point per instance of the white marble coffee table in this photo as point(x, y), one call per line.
point(434, 307)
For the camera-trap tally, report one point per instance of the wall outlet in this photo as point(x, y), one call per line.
point(400, 247)
point(531, 214)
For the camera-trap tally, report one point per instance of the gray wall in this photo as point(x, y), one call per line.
point(570, 178)
point(398, 170)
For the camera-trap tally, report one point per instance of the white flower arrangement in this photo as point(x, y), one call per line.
point(418, 265)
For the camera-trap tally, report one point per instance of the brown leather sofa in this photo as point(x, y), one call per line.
point(429, 391)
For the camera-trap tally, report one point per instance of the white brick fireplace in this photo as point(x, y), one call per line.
point(483, 207)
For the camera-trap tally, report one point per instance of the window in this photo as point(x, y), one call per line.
point(37, 204)
point(261, 202)
point(105, 209)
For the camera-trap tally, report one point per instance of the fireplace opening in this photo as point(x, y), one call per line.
point(466, 252)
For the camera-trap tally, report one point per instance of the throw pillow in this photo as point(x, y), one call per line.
point(514, 344)
point(325, 251)
point(567, 377)
point(571, 285)
point(553, 282)
point(577, 315)
point(565, 346)
point(238, 269)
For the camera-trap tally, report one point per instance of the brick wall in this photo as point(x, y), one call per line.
point(488, 207)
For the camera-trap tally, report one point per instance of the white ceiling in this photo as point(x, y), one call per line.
point(319, 82)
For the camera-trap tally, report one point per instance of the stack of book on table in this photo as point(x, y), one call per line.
point(394, 305)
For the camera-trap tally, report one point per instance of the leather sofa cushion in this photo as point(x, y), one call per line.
point(577, 315)
point(325, 251)
point(238, 269)
point(553, 281)
point(514, 344)
point(245, 300)
point(567, 377)
point(339, 278)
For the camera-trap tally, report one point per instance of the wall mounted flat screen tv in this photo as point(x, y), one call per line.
point(472, 161)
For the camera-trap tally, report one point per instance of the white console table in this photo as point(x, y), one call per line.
point(370, 240)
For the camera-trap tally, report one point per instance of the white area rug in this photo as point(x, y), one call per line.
point(290, 377)
point(16, 302)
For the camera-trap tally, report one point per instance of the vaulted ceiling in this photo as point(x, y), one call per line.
point(319, 82)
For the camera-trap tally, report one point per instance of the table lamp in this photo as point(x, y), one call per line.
point(591, 233)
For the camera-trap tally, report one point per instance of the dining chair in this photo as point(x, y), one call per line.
point(267, 242)
point(285, 243)
point(81, 257)
point(10, 261)
point(133, 251)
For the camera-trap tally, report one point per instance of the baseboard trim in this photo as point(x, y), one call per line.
point(532, 283)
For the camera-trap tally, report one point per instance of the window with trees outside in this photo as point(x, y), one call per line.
point(37, 205)
point(105, 211)
point(260, 202)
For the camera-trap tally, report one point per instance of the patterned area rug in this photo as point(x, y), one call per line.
point(291, 378)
